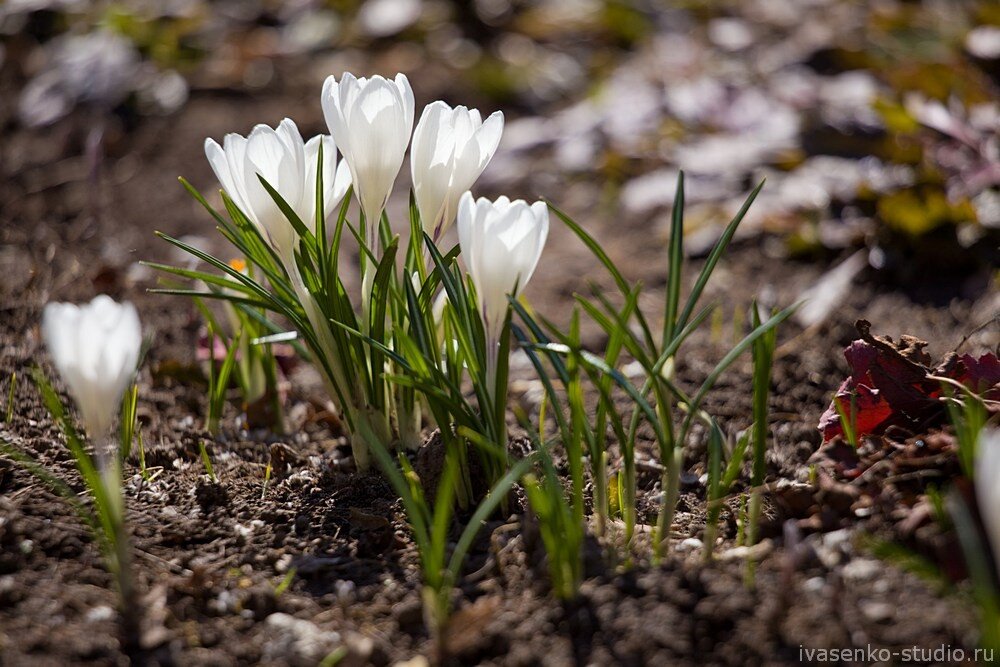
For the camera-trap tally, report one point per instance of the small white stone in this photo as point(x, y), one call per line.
point(861, 569)
point(690, 544)
point(298, 638)
point(100, 613)
point(283, 563)
point(837, 538)
point(877, 611)
point(345, 590)
point(814, 585)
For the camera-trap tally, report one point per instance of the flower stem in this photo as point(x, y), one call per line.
point(600, 474)
point(376, 426)
point(369, 265)
point(627, 500)
point(408, 418)
point(671, 483)
point(120, 550)
point(492, 358)
point(497, 397)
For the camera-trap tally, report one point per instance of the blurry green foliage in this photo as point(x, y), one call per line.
point(162, 39)
point(896, 118)
point(917, 211)
point(625, 23)
point(493, 78)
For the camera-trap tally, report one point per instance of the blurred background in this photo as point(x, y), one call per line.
point(875, 123)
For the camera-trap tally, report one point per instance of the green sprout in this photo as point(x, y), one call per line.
point(848, 419)
point(659, 399)
point(762, 353)
point(206, 461)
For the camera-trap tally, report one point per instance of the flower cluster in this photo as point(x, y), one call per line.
point(284, 192)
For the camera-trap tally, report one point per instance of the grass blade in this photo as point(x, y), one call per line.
point(676, 253)
point(714, 256)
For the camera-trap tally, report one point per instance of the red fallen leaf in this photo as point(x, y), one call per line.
point(869, 409)
point(981, 375)
point(891, 383)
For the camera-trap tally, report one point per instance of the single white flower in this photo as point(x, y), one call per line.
point(289, 166)
point(95, 348)
point(501, 243)
point(451, 148)
point(371, 120)
point(987, 484)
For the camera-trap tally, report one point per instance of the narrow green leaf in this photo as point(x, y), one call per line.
point(282, 337)
point(206, 461)
point(676, 254)
point(204, 276)
point(293, 218)
point(487, 507)
point(201, 200)
point(714, 256)
point(729, 358)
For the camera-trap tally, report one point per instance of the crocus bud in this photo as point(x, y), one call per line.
point(451, 148)
point(501, 243)
point(988, 485)
point(289, 166)
point(95, 348)
point(371, 120)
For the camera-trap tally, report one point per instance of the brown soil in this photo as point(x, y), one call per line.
point(211, 557)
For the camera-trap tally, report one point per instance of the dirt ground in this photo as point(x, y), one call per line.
point(212, 558)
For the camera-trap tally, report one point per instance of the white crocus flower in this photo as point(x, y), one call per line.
point(988, 485)
point(501, 243)
point(95, 348)
point(451, 148)
point(289, 166)
point(371, 120)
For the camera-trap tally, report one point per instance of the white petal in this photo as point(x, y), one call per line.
point(59, 324)
point(293, 162)
point(266, 156)
point(311, 156)
point(476, 118)
point(341, 182)
point(235, 147)
point(220, 165)
point(488, 138)
point(334, 114)
point(406, 93)
point(432, 167)
point(377, 121)
point(466, 218)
